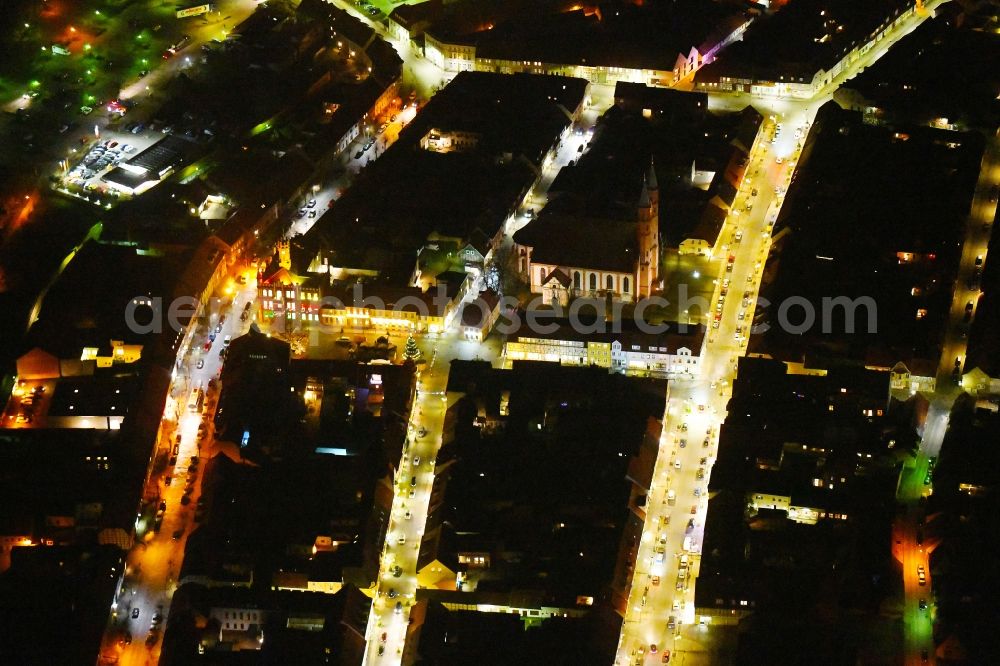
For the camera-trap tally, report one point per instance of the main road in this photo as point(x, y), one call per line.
point(139, 611)
point(661, 600)
point(396, 586)
point(397, 578)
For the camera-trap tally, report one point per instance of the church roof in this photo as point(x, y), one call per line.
point(566, 240)
point(559, 275)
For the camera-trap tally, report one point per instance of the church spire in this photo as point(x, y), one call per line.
point(644, 201)
point(650, 188)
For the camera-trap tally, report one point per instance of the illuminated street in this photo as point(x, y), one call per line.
point(410, 501)
point(458, 156)
point(650, 606)
point(155, 561)
point(695, 410)
point(910, 548)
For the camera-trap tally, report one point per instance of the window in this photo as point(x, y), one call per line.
point(577, 284)
point(541, 275)
point(610, 282)
point(593, 281)
point(625, 285)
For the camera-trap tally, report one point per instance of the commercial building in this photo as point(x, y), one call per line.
point(67, 509)
point(479, 315)
point(941, 74)
point(619, 346)
point(659, 176)
point(961, 510)
point(150, 167)
point(284, 625)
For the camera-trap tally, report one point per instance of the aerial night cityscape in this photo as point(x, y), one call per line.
point(499, 332)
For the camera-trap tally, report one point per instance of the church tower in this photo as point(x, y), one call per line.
point(648, 232)
point(284, 255)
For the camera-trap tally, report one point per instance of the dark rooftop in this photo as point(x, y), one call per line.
point(509, 490)
point(86, 305)
point(802, 38)
point(170, 151)
point(874, 212)
point(93, 396)
point(650, 35)
point(518, 117)
point(564, 240)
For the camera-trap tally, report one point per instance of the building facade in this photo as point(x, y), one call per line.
point(631, 352)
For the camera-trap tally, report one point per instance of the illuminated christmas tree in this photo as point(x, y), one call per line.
point(411, 352)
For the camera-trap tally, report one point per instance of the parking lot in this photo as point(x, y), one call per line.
point(97, 156)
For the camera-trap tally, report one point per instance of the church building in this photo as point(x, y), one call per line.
point(565, 255)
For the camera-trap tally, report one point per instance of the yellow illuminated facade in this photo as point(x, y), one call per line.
point(120, 353)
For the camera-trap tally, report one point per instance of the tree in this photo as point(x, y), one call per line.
point(411, 352)
point(499, 274)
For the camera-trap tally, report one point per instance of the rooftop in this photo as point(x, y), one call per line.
point(876, 213)
point(93, 396)
point(650, 35)
point(802, 38)
point(86, 305)
point(508, 490)
point(519, 118)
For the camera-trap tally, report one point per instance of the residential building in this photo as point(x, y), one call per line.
point(651, 43)
point(805, 46)
point(479, 315)
point(468, 194)
point(806, 463)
